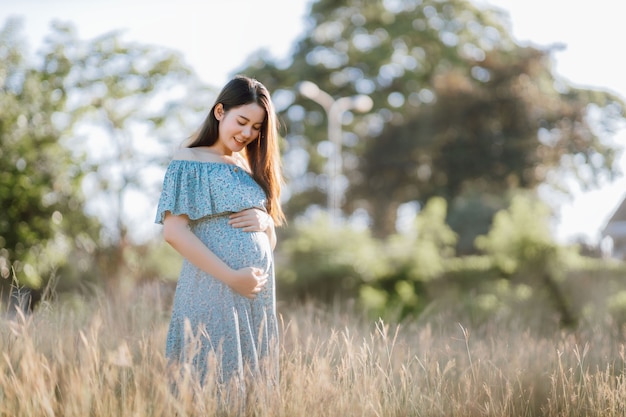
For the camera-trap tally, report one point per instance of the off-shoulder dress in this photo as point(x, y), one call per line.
point(212, 328)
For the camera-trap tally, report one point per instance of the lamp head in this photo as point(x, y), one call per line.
point(308, 89)
point(362, 103)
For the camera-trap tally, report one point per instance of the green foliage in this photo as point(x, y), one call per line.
point(114, 93)
point(121, 95)
point(522, 247)
point(42, 204)
point(85, 118)
point(423, 249)
point(458, 105)
point(324, 261)
point(470, 268)
point(616, 305)
point(416, 257)
point(417, 271)
point(520, 236)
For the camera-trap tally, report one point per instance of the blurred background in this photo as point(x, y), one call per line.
point(437, 153)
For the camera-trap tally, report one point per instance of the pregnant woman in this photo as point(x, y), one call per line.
point(219, 205)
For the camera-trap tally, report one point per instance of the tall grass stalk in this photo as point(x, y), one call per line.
point(94, 356)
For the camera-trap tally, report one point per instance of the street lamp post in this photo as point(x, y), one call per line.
point(334, 111)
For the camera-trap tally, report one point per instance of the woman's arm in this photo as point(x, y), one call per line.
point(246, 281)
point(254, 220)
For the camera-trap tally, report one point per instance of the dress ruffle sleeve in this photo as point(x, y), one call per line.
point(201, 189)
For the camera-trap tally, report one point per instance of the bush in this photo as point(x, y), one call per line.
point(416, 257)
point(324, 261)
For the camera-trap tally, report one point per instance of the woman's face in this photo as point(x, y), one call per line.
point(239, 126)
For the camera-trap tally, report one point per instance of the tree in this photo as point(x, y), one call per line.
point(40, 199)
point(522, 249)
point(96, 117)
point(124, 98)
point(505, 131)
point(458, 107)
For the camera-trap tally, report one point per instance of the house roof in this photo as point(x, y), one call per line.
point(616, 221)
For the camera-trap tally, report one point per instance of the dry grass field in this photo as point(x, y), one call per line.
point(90, 356)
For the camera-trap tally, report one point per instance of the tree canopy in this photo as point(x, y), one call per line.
point(459, 107)
point(75, 122)
point(42, 205)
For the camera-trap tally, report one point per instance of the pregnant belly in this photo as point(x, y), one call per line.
point(235, 247)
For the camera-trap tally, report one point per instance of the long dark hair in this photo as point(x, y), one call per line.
point(263, 154)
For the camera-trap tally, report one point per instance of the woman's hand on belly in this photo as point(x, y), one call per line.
point(250, 220)
point(254, 220)
point(248, 281)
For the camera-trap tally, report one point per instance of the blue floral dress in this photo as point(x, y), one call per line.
point(214, 329)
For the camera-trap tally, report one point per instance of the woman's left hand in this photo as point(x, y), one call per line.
point(251, 220)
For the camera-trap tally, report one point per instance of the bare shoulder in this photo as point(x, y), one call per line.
point(194, 154)
point(183, 153)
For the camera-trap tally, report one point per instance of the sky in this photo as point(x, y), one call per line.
point(215, 39)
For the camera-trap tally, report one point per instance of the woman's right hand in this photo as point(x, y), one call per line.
point(248, 281)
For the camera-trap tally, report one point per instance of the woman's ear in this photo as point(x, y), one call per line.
point(218, 111)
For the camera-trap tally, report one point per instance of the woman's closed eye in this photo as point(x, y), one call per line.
point(255, 128)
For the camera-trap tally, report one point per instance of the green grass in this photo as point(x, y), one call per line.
point(99, 357)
